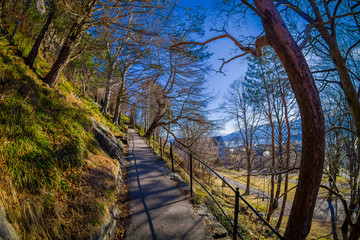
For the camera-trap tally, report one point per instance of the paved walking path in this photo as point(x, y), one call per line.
point(157, 209)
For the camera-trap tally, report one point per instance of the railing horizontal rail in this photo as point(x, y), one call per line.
point(212, 170)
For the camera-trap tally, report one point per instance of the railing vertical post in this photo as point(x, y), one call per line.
point(236, 214)
point(191, 176)
point(172, 157)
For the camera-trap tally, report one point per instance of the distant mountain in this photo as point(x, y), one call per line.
point(263, 134)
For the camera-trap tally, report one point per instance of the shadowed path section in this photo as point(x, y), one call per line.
point(157, 209)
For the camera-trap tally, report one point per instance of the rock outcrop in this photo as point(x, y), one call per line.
point(114, 149)
point(108, 142)
point(7, 232)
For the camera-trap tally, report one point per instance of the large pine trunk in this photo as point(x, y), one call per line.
point(313, 124)
point(35, 49)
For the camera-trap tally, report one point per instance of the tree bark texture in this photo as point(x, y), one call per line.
point(17, 23)
point(287, 161)
point(248, 175)
point(313, 124)
point(70, 43)
point(154, 124)
point(272, 180)
point(355, 230)
point(35, 49)
point(106, 102)
point(119, 99)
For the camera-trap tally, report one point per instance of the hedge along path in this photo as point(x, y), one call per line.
point(157, 209)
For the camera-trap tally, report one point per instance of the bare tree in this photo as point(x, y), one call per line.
point(246, 115)
point(332, 31)
point(303, 85)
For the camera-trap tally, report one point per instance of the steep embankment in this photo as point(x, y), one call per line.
point(55, 181)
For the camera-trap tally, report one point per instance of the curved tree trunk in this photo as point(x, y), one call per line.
point(154, 124)
point(313, 124)
point(29, 60)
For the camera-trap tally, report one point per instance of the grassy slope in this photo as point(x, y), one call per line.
point(54, 181)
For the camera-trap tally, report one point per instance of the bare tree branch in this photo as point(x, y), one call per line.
point(260, 42)
point(340, 127)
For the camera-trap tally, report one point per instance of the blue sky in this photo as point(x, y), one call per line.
point(222, 48)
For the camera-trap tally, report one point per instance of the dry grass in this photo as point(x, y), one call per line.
point(263, 183)
point(75, 213)
point(54, 181)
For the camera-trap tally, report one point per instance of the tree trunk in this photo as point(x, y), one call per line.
point(313, 125)
point(248, 176)
point(272, 180)
point(17, 23)
point(119, 102)
point(167, 133)
point(355, 230)
point(287, 159)
point(332, 212)
point(29, 60)
point(107, 96)
point(70, 43)
point(2, 17)
point(154, 124)
point(280, 167)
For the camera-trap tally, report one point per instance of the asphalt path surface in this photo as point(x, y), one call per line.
point(157, 209)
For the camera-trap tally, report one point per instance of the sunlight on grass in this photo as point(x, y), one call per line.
point(47, 152)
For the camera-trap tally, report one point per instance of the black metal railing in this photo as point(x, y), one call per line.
point(237, 195)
